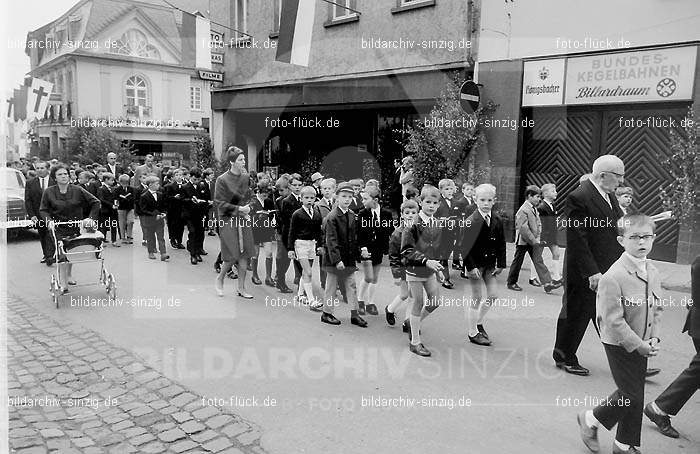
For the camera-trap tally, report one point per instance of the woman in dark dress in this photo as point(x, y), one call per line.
point(231, 197)
point(66, 202)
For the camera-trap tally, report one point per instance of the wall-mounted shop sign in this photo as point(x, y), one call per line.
point(643, 76)
point(211, 75)
point(217, 58)
point(606, 78)
point(543, 82)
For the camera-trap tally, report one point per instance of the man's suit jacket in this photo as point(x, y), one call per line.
point(548, 218)
point(144, 169)
point(174, 204)
point(106, 196)
point(324, 208)
point(288, 206)
point(451, 214)
point(373, 236)
point(528, 226)
point(483, 246)
point(340, 239)
point(692, 323)
point(591, 234)
point(190, 209)
point(629, 305)
point(356, 204)
point(119, 169)
point(150, 207)
point(33, 194)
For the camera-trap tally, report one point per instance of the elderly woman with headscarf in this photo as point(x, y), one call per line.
point(232, 194)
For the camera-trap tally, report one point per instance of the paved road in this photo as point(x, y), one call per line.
point(314, 388)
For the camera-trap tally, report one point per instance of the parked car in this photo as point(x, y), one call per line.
point(12, 199)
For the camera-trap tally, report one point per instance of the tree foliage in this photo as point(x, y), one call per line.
point(87, 144)
point(681, 195)
point(443, 142)
point(202, 151)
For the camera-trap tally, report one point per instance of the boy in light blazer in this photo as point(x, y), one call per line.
point(528, 228)
point(628, 308)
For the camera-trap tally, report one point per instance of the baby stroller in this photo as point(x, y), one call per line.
point(83, 248)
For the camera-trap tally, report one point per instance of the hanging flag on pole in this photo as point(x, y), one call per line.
point(196, 36)
point(38, 98)
point(20, 104)
point(296, 26)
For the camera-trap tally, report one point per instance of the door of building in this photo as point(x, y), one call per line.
point(563, 144)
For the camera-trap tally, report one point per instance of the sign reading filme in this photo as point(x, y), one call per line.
point(642, 76)
point(543, 82)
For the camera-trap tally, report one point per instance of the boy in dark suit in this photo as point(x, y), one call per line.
point(449, 213)
point(670, 402)
point(304, 243)
point(409, 210)
point(340, 256)
point(174, 195)
point(628, 307)
point(124, 194)
point(108, 208)
point(139, 190)
point(484, 252)
point(195, 205)
point(288, 205)
point(153, 211)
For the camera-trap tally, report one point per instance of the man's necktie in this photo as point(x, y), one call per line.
point(42, 184)
point(488, 220)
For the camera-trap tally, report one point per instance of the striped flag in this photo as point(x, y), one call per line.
point(296, 26)
point(196, 35)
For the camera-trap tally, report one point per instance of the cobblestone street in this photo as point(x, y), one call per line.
point(70, 391)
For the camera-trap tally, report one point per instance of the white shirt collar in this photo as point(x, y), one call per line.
point(425, 217)
point(483, 215)
point(548, 203)
point(376, 211)
point(641, 264)
point(152, 191)
point(343, 210)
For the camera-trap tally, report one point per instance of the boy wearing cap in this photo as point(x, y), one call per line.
point(340, 256)
point(316, 179)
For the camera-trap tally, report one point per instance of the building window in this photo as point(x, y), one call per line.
point(135, 44)
point(339, 14)
point(241, 18)
point(195, 97)
point(136, 96)
point(407, 5)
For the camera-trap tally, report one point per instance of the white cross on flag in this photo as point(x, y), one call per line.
point(38, 98)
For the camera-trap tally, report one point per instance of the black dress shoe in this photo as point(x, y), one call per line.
point(173, 245)
point(50, 262)
point(481, 329)
point(164, 257)
point(359, 321)
point(652, 371)
point(448, 284)
point(329, 318)
point(361, 308)
point(199, 258)
point(43, 260)
point(269, 282)
point(372, 309)
point(575, 369)
point(193, 260)
point(557, 282)
point(256, 280)
point(406, 326)
point(535, 282)
point(390, 319)
point(211, 233)
point(419, 350)
point(463, 275)
point(217, 267)
point(663, 422)
point(548, 287)
point(515, 287)
point(479, 339)
point(284, 289)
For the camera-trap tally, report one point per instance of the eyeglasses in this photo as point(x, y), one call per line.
point(618, 175)
point(641, 237)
